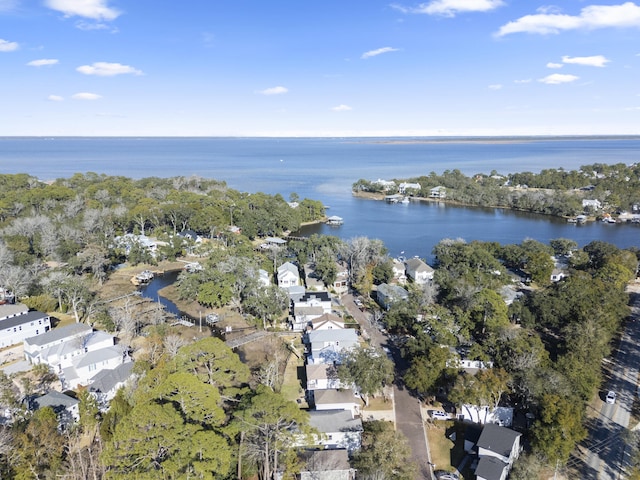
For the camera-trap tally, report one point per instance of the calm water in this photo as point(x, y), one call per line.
point(324, 169)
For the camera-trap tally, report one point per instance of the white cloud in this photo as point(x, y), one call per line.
point(341, 108)
point(554, 65)
point(526, 80)
point(449, 8)
point(7, 46)
point(42, 62)
point(379, 51)
point(274, 91)
point(558, 78)
point(7, 5)
point(88, 26)
point(590, 18)
point(55, 98)
point(593, 61)
point(94, 9)
point(86, 96)
point(495, 86)
point(105, 69)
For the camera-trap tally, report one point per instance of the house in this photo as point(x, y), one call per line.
point(336, 399)
point(387, 295)
point(327, 321)
point(485, 415)
point(341, 283)
point(288, 275)
point(399, 271)
point(310, 306)
point(322, 376)
point(406, 187)
point(190, 235)
point(339, 429)
point(65, 407)
point(18, 323)
point(325, 346)
point(386, 185)
point(326, 465)
point(418, 271)
point(264, 278)
point(592, 204)
point(127, 241)
point(105, 384)
point(558, 274)
point(498, 447)
point(438, 192)
point(75, 352)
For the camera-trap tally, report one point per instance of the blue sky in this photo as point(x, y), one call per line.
point(322, 68)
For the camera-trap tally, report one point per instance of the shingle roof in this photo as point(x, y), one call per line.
point(22, 319)
point(333, 395)
point(497, 439)
point(59, 333)
point(326, 421)
point(334, 334)
point(98, 356)
point(55, 399)
point(106, 380)
point(490, 468)
point(9, 309)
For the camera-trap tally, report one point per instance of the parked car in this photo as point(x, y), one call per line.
point(439, 415)
point(611, 397)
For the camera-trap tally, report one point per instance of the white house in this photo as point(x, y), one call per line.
point(310, 306)
point(35, 346)
point(327, 345)
point(591, 203)
point(438, 192)
point(327, 321)
point(338, 429)
point(18, 323)
point(418, 271)
point(399, 271)
point(322, 377)
point(264, 278)
point(341, 283)
point(288, 275)
point(484, 415)
point(385, 184)
point(336, 399)
point(84, 368)
point(406, 187)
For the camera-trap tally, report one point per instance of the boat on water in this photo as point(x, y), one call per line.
point(405, 200)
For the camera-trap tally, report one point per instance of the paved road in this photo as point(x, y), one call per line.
point(407, 407)
point(604, 453)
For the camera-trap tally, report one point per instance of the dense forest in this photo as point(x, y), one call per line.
point(551, 192)
point(197, 410)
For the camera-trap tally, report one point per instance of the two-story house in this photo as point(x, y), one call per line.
point(17, 322)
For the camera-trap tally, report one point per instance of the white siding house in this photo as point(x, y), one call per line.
point(18, 323)
point(418, 271)
point(288, 275)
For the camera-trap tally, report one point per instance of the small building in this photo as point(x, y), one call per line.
point(498, 448)
point(65, 407)
point(387, 295)
point(334, 220)
point(418, 271)
point(341, 283)
point(264, 278)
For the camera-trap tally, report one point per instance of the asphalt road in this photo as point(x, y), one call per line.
point(603, 455)
point(407, 407)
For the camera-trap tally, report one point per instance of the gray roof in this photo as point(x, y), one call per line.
point(327, 421)
point(497, 439)
point(107, 380)
point(323, 460)
point(490, 468)
point(22, 319)
point(55, 399)
point(333, 334)
point(98, 356)
point(333, 395)
point(418, 265)
point(59, 333)
point(9, 309)
point(288, 267)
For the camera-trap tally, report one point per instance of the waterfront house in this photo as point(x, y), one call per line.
point(338, 429)
point(17, 323)
point(418, 271)
point(288, 275)
point(386, 185)
point(438, 192)
point(387, 295)
point(593, 204)
point(409, 188)
point(399, 271)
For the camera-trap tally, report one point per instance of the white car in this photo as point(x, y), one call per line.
point(611, 397)
point(440, 415)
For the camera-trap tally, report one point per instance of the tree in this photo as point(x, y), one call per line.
point(425, 371)
point(385, 453)
point(267, 304)
point(270, 426)
point(368, 368)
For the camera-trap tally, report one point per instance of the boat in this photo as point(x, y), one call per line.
point(405, 200)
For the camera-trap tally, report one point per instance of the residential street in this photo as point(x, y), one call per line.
point(407, 408)
point(603, 453)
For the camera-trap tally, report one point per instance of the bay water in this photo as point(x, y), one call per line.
point(325, 168)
